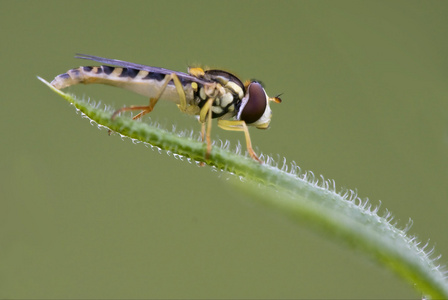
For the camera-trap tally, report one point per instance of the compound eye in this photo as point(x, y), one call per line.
point(256, 104)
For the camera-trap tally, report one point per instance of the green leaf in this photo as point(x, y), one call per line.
point(299, 196)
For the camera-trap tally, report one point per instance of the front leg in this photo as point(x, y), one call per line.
point(238, 125)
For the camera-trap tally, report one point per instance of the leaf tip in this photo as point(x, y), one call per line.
point(51, 86)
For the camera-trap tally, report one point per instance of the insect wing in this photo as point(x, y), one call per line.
point(126, 64)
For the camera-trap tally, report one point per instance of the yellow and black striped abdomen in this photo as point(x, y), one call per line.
point(141, 82)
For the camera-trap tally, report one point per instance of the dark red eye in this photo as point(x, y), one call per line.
point(256, 104)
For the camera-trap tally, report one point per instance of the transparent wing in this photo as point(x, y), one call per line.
point(126, 64)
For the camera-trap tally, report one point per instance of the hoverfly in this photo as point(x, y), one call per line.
point(207, 94)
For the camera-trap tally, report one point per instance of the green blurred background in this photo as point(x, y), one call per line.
point(86, 215)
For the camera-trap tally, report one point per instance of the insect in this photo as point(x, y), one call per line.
point(207, 94)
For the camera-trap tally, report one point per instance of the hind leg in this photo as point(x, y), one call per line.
point(145, 109)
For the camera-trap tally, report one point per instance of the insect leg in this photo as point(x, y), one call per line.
point(205, 117)
point(153, 101)
point(238, 125)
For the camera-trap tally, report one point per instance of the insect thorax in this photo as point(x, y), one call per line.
point(227, 98)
